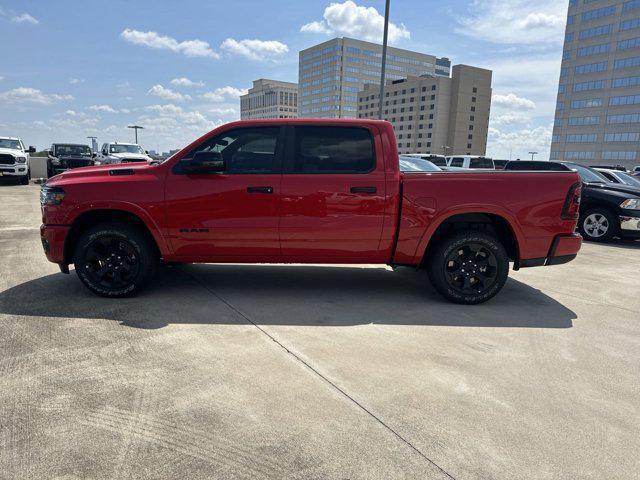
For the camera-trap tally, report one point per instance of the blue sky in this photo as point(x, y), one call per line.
point(77, 68)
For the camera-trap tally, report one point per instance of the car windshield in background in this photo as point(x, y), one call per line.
point(64, 150)
point(11, 144)
point(125, 149)
point(588, 175)
point(413, 164)
point(628, 179)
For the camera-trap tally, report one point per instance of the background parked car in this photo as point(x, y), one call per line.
point(470, 161)
point(14, 159)
point(439, 160)
point(500, 164)
point(536, 166)
point(115, 152)
point(410, 163)
point(64, 156)
point(617, 176)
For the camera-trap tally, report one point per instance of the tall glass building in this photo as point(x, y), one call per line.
point(332, 73)
point(597, 117)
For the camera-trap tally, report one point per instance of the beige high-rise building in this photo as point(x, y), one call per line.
point(332, 73)
point(270, 99)
point(598, 108)
point(432, 114)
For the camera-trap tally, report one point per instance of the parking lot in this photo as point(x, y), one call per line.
point(316, 372)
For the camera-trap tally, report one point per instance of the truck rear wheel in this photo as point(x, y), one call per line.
point(469, 267)
point(114, 260)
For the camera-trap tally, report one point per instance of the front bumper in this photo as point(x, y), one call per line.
point(564, 248)
point(52, 238)
point(17, 170)
point(629, 225)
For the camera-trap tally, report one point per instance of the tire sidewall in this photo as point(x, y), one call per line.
point(437, 271)
point(130, 236)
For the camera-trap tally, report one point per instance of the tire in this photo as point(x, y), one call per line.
point(24, 179)
point(598, 225)
point(469, 267)
point(114, 260)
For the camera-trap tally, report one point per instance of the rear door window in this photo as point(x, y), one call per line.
point(325, 150)
point(481, 162)
point(457, 162)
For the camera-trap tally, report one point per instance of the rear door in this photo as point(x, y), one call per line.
point(333, 194)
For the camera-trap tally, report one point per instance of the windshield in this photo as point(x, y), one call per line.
point(125, 149)
point(413, 164)
point(63, 150)
point(12, 144)
point(628, 179)
point(588, 175)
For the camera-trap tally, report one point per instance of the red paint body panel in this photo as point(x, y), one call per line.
point(312, 217)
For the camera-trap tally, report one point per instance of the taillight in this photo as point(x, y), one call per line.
point(571, 209)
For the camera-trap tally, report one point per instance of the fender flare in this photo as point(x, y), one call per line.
point(478, 209)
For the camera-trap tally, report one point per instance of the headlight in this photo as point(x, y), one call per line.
point(631, 204)
point(51, 195)
point(21, 159)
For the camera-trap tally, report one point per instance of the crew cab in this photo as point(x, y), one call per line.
point(306, 191)
point(115, 152)
point(14, 159)
point(63, 156)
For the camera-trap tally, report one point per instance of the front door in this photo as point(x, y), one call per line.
point(333, 195)
point(231, 215)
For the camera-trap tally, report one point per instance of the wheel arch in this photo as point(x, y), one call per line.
point(90, 218)
point(493, 223)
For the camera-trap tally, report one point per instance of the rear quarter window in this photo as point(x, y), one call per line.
point(457, 162)
point(332, 150)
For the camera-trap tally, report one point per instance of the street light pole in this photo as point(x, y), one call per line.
point(533, 154)
point(444, 149)
point(384, 55)
point(136, 128)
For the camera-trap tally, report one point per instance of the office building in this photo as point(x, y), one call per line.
point(598, 108)
point(432, 114)
point(270, 99)
point(332, 73)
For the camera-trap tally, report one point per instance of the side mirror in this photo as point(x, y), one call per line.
point(146, 152)
point(204, 162)
point(31, 149)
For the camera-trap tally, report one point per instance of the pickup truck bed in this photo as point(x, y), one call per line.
point(306, 191)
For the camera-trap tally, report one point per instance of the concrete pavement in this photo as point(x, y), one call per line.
point(315, 372)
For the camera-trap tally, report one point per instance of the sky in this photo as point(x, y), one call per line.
point(73, 68)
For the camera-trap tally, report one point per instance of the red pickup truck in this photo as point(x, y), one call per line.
point(306, 191)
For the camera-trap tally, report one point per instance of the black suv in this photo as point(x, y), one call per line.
point(607, 210)
point(63, 156)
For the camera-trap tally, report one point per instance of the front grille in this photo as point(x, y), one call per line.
point(133, 160)
point(7, 159)
point(78, 163)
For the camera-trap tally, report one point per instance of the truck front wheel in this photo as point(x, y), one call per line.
point(114, 260)
point(469, 267)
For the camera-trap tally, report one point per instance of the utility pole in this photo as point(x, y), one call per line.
point(533, 154)
point(136, 128)
point(384, 55)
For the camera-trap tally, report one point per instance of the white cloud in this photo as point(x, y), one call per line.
point(512, 101)
point(164, 109)
point(189, 48)
point(25, 18)
point(509, 118)
point(254, 49)
point(515, 21)
point(517, 144)
point(167, 94)
point(32, 95)
point(222, 93)
point(75, 81)
point(185, 82)
point(357, 21)
point(223, 111)
point(103, 108)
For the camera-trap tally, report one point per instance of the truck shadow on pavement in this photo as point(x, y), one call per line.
point(284, 295)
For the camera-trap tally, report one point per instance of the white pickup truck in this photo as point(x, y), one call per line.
point(14, 159)
point(115, 152)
